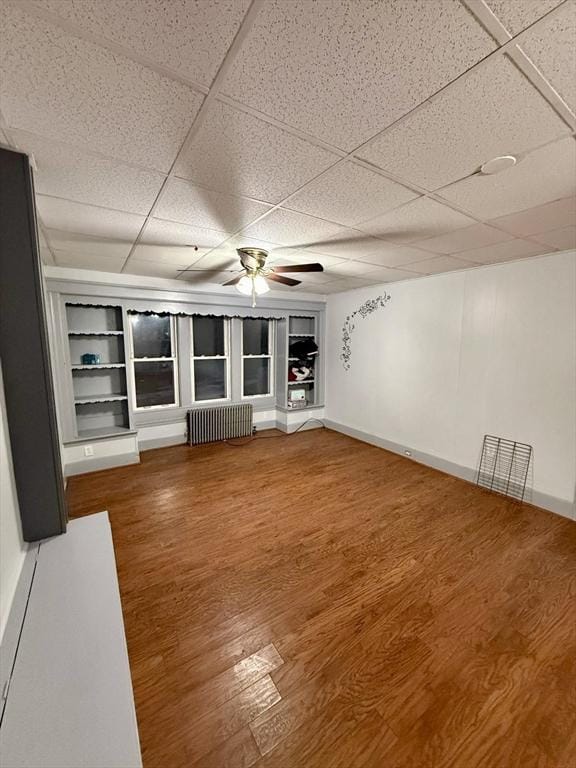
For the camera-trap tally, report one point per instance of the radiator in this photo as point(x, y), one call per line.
point(207, 425)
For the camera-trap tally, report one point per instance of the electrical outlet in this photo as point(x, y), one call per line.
point(88, 450)
point(408, 453)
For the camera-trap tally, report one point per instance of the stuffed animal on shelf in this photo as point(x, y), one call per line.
point(299, 372)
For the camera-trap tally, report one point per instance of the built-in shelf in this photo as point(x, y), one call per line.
point(305, 381)
point(98, 366)
point(85, 399)
point(303, 335)
point(85, 434)
point(95, 333)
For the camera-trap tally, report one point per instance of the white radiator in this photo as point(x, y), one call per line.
point(207, 425)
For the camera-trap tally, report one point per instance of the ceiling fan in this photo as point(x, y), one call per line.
point(254, 281)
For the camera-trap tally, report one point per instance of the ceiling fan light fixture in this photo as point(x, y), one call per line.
point(252, 282)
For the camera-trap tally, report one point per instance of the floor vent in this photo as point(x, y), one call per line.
point(504, 466)
point(208, 425)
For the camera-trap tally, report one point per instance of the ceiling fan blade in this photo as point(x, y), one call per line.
point(234, 280)
point(315, 267)
point(283, 280)
point(208, 269)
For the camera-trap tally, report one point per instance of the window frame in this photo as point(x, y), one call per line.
point(173, 359)
point(270, 356)
point(226, 357)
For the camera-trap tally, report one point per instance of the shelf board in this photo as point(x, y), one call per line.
point(99, 399)
point(95, 333)
point(306, 381)
point(100, 433)
point(304, 335)
point(98, 367)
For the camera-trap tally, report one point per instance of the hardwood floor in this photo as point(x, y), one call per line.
point(314, 602)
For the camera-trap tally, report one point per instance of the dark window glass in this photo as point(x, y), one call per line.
point(256, 376)
point(209, 379)
point(255, 336)
point(154, 383)
point(151, 336)
point(208, 336)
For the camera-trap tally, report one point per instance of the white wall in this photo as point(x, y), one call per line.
point(455, 356)
point(12, 547)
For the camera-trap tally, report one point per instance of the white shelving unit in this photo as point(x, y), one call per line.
point(299, 329)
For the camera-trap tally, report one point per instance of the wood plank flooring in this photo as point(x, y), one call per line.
point(311, 601)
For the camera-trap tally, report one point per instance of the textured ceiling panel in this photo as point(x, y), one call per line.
point(415, 221)
point(88, 261)
point(184, 202)
point(550, 45)
point(348, 244)
point(88, 219)
point(348, 194)
point(190, 37)
point(237, 153)
point(158, 269)
point(66, 171)
point(542, 218)
point(440, 264)
point(167, 254)
point(475, 236)
point(289, 228)
point(339, 69)
point(78, 92)
point(76, 243)
point(393, 275)
point(492, 111)
point(395, 256)
point(544, 175)
point(516, 15)
point(511, 249)
point(563, 239)
point(159, 232)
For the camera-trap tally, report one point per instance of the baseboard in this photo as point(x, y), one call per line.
point(551, 503)
point(99, 463)
point(11, 636)
point(161, 442)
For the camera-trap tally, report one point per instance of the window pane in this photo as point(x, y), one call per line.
point(209, 379)
point(151, 336)
point(154, 383)
point(208, 336)
point(255, 336)
point(256, 376)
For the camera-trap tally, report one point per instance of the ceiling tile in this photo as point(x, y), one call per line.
point(69, 89)
point(550, 45)
point(494, 110)
point(159, 232)
point(475, 236)
point(344, 69)
point(239, 154)
point(440, 264)
point(136, 267)
point(290, 228)
point(184, 202)
point(304, 256)
point(88, 261)
point(348, 244)
point(68, 172)
point(213, 277)
point(512, 249)
point(395, 255)
point(167, 254)
point(88, 219)
point(544, 175)
point(516, 15)
point(348, 194)
point(190, 37)
point(415, 221)
point(393, 275)
point(347, 284)
point(542, 218)
point(353, 268)
point(77, 243)
point(563, 239)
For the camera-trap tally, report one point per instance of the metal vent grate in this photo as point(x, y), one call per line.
point(504, 466)
point(208, 425)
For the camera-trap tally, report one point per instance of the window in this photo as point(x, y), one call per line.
point(210, 364)
point(256, 357)
point(154, 360)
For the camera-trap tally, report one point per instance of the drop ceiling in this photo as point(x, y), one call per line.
point(350, 132)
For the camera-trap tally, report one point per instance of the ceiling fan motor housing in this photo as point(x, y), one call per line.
point(252, 259)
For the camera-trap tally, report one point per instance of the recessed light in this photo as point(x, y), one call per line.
point(498, 164)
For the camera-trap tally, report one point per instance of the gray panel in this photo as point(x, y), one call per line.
point(25, 358)
point(70, 702)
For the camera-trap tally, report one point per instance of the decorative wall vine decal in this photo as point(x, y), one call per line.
point(365, 309)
